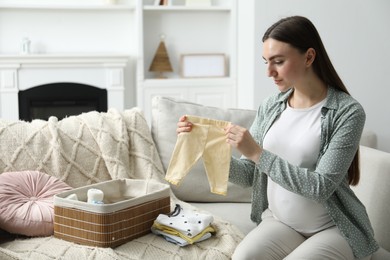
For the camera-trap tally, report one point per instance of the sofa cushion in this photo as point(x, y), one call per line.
point(194, 186)
point(235, 213)
point(373, 191)
point(26, 202)
point(369, 138)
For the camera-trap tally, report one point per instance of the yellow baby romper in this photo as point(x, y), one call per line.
point(207, 139)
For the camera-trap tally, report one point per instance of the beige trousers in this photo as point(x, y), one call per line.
point(273, 240)
point(207, 139)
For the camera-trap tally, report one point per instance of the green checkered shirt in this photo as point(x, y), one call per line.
point(342, 124)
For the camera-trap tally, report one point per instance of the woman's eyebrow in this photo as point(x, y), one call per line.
point(273, 57)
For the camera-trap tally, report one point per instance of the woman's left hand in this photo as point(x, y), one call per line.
point(241, 139)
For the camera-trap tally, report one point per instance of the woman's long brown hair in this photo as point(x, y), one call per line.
point(300, 33)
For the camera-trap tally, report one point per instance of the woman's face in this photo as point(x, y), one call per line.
point(285, 64)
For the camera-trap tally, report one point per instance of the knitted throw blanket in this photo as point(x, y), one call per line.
point(89, 148)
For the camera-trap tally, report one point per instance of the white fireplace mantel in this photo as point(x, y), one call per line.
point(21, 72)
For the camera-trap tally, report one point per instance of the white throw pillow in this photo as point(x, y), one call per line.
point(194, 186)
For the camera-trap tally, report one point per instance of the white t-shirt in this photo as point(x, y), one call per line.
point(295, 137)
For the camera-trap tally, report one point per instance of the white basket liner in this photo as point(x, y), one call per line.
point(118, 194)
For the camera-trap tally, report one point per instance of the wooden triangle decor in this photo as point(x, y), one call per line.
point(161, 61)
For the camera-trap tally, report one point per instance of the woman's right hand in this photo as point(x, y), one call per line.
point(183, 125)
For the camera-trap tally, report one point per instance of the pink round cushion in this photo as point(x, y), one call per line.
point(26, 202)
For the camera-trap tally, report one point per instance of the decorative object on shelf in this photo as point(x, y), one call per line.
point(162, 2)
point(160, 62)
point(25, 46)
point(203, 65)
point(198, 2)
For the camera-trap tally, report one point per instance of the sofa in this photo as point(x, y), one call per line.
point(95, 147)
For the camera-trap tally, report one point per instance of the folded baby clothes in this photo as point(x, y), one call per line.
point(184, 226)
point(177, 239)
point(207, 139)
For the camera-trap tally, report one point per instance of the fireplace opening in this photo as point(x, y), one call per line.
point(60, 100)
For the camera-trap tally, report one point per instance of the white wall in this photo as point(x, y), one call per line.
point(356, 35)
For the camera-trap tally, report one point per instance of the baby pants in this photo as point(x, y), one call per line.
point(207, 139)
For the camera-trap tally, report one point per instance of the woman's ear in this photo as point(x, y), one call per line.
point(310, 56)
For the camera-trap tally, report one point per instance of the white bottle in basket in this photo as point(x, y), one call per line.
point(95, 196)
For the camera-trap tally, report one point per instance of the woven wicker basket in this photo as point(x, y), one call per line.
point(129, 210)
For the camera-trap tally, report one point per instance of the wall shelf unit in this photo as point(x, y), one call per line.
point(186, 8)
point(187, 30)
